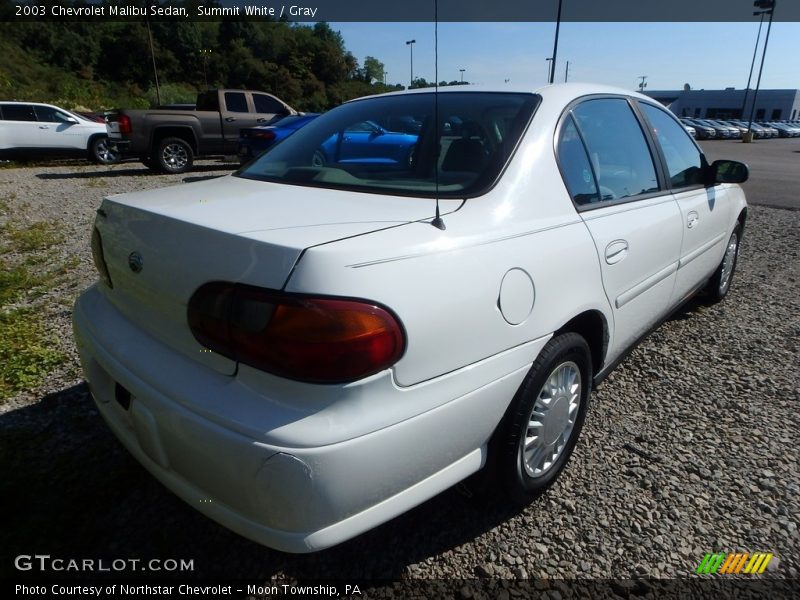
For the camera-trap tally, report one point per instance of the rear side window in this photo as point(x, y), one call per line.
point(18, 112)
point(267, 104)
point(575, 166)
point(208, 101)
point(359, 146)
point(236, 102)
point(684, 161)
point(617, 148)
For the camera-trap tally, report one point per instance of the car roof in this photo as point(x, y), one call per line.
point(24, 102)
point(558, 92)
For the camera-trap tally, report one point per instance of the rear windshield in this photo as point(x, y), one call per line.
point(394, 144)
point(292, 120)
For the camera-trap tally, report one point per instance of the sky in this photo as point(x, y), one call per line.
point(704, 55)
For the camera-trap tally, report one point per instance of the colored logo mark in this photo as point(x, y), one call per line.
point(734, 562)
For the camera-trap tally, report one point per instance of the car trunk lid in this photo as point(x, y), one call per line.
point(161, 245)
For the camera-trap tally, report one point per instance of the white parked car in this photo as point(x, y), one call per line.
point(38, 130)
point(302, 351)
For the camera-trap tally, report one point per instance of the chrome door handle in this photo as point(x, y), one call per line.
point(229, 119)
point(44, 126)
point(692, 219)
point(616, 251)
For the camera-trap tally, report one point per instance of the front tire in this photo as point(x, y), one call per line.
point(100, 152)
point(174, 155)
point(545, 418)
point(720, 283)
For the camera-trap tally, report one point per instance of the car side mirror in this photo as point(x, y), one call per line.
point(71, 121)
point(728, 171)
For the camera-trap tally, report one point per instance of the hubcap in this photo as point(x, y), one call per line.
point(175, 156)
point(728, 263)
point(105, 153)
point(552, 420)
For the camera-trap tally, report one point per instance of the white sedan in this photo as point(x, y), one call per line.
point(302, 351)
point(31, 129)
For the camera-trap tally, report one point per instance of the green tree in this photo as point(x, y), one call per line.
point(373, 70)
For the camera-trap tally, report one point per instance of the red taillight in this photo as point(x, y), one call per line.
point(124, 124)
point(321, 340)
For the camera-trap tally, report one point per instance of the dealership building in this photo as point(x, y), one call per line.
point(771, 105)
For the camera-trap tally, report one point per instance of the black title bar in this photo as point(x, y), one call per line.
point(406, 11)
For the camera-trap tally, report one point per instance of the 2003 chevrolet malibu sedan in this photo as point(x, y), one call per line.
point(304, 350)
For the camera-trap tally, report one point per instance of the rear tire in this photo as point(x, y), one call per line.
point(543, 422)
point(174, 155)
point(720, 283)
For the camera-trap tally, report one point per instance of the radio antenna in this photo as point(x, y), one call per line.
point(437, 221)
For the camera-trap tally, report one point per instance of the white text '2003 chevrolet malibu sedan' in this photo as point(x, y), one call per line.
point(330, 336)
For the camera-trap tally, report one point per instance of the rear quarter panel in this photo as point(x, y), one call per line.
point(445, 285)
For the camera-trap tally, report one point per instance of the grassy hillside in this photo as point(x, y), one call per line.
point(25, 76)
point(106, 64)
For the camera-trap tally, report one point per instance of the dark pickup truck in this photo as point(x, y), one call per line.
point(168, 140)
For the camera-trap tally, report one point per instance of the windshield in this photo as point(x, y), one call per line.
point(391, 144)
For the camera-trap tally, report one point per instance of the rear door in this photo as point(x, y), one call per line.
point(19, 128)
point(608, 165)
point(235, 115)
point(705, 211)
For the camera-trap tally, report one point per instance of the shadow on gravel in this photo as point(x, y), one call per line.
point(75, 492)
point(688, 309)
point(128, 172)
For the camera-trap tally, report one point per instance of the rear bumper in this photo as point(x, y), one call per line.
point(295, 496)
point(119, 145)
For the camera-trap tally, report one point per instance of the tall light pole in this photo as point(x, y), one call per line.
point(205, 53)
point(753, 63)
point(153, 55)
point(566, 73)
point(462, 75)
point(549, 62)
point(642, 83)
point(768, 5)
point(410, 44)
point(555, 44)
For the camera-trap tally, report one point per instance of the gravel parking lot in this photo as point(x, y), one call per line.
point(690, 446)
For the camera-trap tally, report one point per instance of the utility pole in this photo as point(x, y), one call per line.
point(566, 73)
point(770, 6)
point(462, 75)
point(753, 63)
point(549, 63)
point(642, 83)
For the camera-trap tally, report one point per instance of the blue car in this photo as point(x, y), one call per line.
point(367, 142)
point(255, 140)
